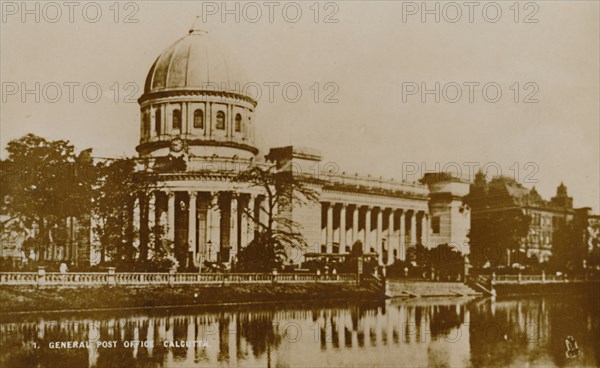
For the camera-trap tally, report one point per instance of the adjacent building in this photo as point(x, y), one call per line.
point(546, 217)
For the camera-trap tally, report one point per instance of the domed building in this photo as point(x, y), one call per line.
point(197, 133)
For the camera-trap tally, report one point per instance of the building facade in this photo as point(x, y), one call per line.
point(195, 125)
point(504, 195)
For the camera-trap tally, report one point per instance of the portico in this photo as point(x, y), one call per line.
point(197, 226)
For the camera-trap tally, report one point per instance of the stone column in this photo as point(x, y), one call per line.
point(185, 121)
point(379, 235)
point(355, 224)
point(343, 229)
point(413, 228)
point(233, 228)
point(390, 244)
point(208, 122)
point(171, 217)
point(165, 125)
point(152, 218)
point(425, 230)
point(192, 218)
point(323, 227)
point(209, 226)
point(203, 226)
point(161, 219)
point(367, 245)
point(243, 225)
point(214, 216)
point(135, 223)
point(401, 237)
point(150, 117)
point(251, 224)
point(428, 233)
point(329, 226)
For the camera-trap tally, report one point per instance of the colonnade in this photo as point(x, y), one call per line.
point(382, 230)
point(202, 226)
point(198, 226)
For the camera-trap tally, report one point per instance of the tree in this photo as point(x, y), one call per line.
point(575, 244)
point(277, 232)
point(43, 183)
point(119, 192)
point(113, 200)
point(498, 224)
point(495, 235)
point(567, 250)
point(446, 261)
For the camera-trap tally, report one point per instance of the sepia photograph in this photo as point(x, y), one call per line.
point(304, 183)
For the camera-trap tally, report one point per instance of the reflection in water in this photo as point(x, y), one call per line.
point(445, 332)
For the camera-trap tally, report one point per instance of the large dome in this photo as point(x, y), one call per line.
point(195, 62)
point(194, 94)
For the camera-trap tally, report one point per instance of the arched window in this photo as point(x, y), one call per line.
point(238, 123)
point(249, 128)
point(157, 121)
point(199, 119)
point(177, 119)
point(221, 120)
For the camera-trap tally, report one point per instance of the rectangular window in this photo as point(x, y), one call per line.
point(199, 119)
point(238, 123)
point(176, 119)
point(435, 224)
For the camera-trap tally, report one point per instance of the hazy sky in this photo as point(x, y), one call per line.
point(371, 54)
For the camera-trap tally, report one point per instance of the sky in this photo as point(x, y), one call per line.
point(528, 78)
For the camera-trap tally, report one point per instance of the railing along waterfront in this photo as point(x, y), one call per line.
point(537, 279)
point(112, 278)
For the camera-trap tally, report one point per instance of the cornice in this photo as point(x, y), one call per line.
point(147, 147)
point(182, 92)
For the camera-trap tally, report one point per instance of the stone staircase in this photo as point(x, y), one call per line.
point(415, 289)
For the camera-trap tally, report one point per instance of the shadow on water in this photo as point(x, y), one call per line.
point(399, 332)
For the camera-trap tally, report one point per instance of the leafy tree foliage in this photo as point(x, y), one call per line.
point(497, 225)
point(261, 255)
point(121, 190)
point(43, 183)
point(574, 244)
point(441, 262)
point(277, 232)
point(496, 234)
point(446, 260)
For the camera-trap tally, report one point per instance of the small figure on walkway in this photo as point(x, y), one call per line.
point(572, 348)
point(63, 268)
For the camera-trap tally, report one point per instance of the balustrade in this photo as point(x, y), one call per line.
point(536, 279)
point(112, 278)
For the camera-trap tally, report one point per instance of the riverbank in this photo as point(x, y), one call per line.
point(421, 288)
point(21, 299)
